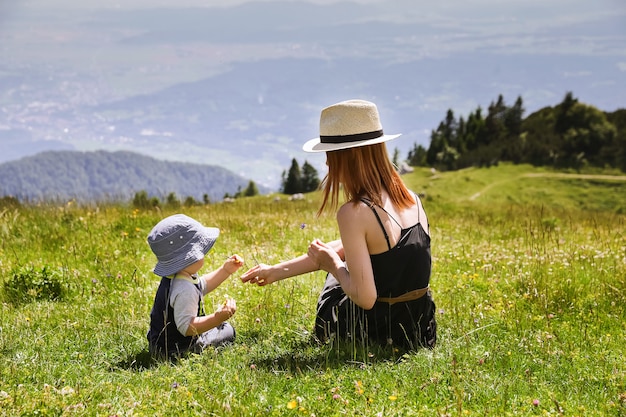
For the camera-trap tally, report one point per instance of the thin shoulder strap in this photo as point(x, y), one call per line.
point(371, 206)
point(418, 203)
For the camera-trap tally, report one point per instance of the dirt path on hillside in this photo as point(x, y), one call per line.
point(552, 175)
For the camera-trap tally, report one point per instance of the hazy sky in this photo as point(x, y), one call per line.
point(582, 42)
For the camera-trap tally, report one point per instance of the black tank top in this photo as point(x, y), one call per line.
point(406, 266)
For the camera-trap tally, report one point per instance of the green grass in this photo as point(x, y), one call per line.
point(529, 278)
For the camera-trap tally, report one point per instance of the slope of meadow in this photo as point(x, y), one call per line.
point(529, 279)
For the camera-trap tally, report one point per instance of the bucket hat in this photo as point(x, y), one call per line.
point(348, 124)
point(179, 241)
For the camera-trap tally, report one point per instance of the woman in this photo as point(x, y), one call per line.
point(377, 287)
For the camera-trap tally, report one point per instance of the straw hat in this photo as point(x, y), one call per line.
point(348, 124)
point(179, 241)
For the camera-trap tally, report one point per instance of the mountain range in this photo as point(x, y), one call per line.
point(113, 176)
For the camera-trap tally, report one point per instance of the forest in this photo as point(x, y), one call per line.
point(570, 135)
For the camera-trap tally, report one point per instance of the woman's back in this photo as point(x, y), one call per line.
point(400, 259)
point(393, 221)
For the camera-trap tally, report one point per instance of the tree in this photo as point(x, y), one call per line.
point(513, 117)
point(589, 131)
point(140, 200)
point(449, 129)
point(172, 200)
point(563, 115)
point(448, 157)
point(437, 145)
point(251, 190)
point(475, 130)
point(293, 183)
point(417, 156)
point(310, 180)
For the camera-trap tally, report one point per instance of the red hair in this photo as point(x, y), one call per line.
point(364, 171)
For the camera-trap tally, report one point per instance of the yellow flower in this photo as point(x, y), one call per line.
point(392, 398)
point(358, 385)
point(292, 404)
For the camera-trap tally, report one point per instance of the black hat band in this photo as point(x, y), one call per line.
point(351, 138)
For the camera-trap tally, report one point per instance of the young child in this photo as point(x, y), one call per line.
point(178, 323)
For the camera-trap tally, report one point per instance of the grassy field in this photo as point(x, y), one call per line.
point(529, 278)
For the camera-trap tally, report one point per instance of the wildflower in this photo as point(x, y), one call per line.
point(292, 404)
point(175, 385)
point(302, 226)
point(336, 397)
point(392, 397)
point(67, 390)
point(535, 402)
point(252, 366)
point(359, 387)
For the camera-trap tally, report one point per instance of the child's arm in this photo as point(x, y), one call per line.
point(214, 279)
point(201, 324)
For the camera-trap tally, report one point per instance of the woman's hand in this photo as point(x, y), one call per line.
point(260, 275)
point(325, 256)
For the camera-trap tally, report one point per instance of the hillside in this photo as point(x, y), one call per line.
point(519, 185)
point(103, 175)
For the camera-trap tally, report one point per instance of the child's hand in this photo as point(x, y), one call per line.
point(226, 310)
point(233, 263)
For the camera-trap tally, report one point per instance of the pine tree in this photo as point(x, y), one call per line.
point(293, 183)
point(251, 190)
point(417, 156)
point(310, 180)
